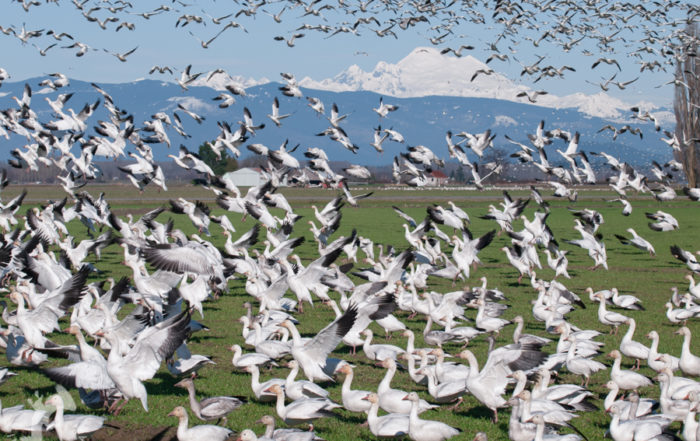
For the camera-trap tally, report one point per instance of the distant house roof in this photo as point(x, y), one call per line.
point(438, 174)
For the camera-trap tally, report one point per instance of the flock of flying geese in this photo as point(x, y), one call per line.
point(175, 275)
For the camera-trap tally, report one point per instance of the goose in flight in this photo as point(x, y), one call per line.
point(187, 78)
point(637, 241)
point(311, 356)
point(384, 109)
point(275, 115)
point(143, 360)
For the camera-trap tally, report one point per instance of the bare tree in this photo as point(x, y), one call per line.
point(687, 102)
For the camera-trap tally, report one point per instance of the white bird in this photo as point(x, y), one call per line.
point(197, 433)
point(389, 425)
point(384, 109)
point(610, 318)
point(626, 380)
point(631, 348)
point(637, 241)
point(426, 430)
point(72, 427)
point(303, 410)
point(689, 363)
point(312, 355)
point(275, 115)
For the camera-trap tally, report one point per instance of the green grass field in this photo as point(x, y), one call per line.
point(631, 271)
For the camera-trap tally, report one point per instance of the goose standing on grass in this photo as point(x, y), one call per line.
point(610, 318)
point(689, 363)
point(298, 389)
point(680, 315)
point(379, 352)
point(206, 432)
point(353, 400)
point(626, 380)
point(390, 425)
point(289, 434)
point(634, 429)
point(626, 301)
point(391, 399)
point(489, 384)
point(640, 408)
point(72, 427)
point(260, 389)
point(301, 411)
point(654, 361)
point(579, 365)
point(631, 348)
point(426, 430)
point(208, 409)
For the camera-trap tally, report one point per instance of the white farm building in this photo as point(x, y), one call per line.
point(246, 177)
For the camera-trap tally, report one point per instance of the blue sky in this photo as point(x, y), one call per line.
point(255, 53)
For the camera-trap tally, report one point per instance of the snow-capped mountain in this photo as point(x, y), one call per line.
point(427, 72)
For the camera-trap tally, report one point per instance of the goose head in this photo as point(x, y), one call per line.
point(372, 398)
point(178, 412)
point(266, 419)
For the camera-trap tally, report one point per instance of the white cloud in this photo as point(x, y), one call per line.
point(192, 103)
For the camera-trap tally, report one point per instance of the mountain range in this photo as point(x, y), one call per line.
point(431, 100)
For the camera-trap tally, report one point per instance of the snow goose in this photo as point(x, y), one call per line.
point(626, 301)
point(632, 348)
point(426, 430)
point(312, 355)
point(379, 352)
point(633, 429)
point(637, 241)
point(689, 363)
point(519, 337)
point(579, 365)
point(609, 318)
point(259, 389)
point(643, 407)
point(515, 257)
point(241, 360)
point(653, 361)
point(391, 399)
point(435, 337)
point(208, 409)
point(446, 392)
point(17, 418)
point(446, 372)
point(285, 434)
point(197, 433)
point(680, 315)
point(552, 412)
point(539, 421)
point(487, 323)
point(153, 345)
point(489, 384)
point(301, 411)
point(72, 427)
point(353, 400)
point(626, 380)
point(691, 428)
point(272, 348)
point(410, 359)
point(568, 394)
point(296, 390)
point(390, 425)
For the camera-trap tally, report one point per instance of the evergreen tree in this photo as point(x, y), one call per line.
point(219, 165)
